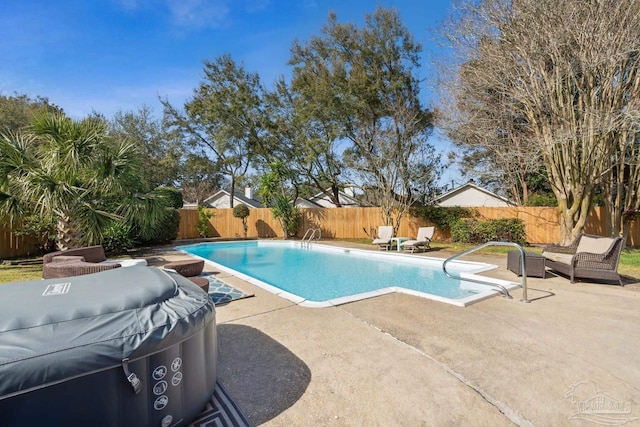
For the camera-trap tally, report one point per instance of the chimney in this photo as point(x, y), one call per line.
point(248, 193)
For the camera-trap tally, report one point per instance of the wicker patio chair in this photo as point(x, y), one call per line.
point(79, 261)
point(90, 254)
point(67, 266)
point(588, 257)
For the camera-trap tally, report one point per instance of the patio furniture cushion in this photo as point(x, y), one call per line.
point(554, 256)
point(597, 245)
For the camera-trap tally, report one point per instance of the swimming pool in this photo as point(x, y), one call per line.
point(322, 275)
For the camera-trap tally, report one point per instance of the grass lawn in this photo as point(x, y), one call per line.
point(20, 273)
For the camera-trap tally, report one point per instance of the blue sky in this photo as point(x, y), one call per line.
point(117, 55)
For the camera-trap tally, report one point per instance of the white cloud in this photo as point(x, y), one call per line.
point(199, 13)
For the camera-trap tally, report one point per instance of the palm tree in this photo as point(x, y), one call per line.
point(72, 170)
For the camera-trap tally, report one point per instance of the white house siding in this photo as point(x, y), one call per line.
point(221, 202)
point(325, 201)
point(471, 197)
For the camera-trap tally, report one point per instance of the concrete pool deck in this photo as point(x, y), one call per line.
point(570, 357)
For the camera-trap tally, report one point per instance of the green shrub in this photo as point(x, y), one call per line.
point(442, 217)
point(169, 229)
point(461, 230)
point(474, 231)
point(173, 196)
point(203, 222)
point(288, 215)
point(117, 238)
point(42, 229)
point(542, 199)
point(242, 211)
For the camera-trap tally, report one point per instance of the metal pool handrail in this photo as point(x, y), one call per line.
point(502, 288)
point(311, 236)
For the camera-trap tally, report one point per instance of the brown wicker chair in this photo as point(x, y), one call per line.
point(76, 262)
point(90, 254)
point(574, 262)
point(67, 268)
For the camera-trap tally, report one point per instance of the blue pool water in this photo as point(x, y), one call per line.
point(323, 273)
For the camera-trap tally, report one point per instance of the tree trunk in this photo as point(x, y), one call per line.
point(572, 218)
point(233, 191)
point(68, 236)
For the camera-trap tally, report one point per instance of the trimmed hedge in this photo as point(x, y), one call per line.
point(471, 230)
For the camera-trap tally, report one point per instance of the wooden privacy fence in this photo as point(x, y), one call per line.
point(541, 223)
point(12, 246)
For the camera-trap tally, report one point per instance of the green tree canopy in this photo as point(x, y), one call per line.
point(160, 150)
point(225, 117)
point(17, 111)
point(367, 86)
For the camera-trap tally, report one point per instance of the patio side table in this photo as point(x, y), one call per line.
point(534, 264)
point(398, 240)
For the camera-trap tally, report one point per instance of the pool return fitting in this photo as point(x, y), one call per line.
point(502, 289)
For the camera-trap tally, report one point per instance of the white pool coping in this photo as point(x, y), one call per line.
point(482, 294)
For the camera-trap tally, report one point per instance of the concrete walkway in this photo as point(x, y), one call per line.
point(570, 357)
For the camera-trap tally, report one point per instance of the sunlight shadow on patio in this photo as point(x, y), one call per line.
point(262, 375)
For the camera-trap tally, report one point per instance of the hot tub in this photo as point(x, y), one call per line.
point(125, 347)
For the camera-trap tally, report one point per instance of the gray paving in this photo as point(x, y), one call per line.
point(570, 357)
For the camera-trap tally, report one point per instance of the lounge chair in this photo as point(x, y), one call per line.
point(421, 242)
point(587, 257)
point(385, 234)
point(80, 261)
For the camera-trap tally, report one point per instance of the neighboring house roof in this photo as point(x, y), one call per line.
point(324, 201)
point(301, 202)
point(222, 198)
point(470, 195)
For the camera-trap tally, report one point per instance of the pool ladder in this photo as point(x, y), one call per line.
point(309, 236)
point(501, 288)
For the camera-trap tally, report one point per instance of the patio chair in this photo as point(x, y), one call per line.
point(385, 234)
point(587, 257)
point(80, 261)
point(421, 242)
